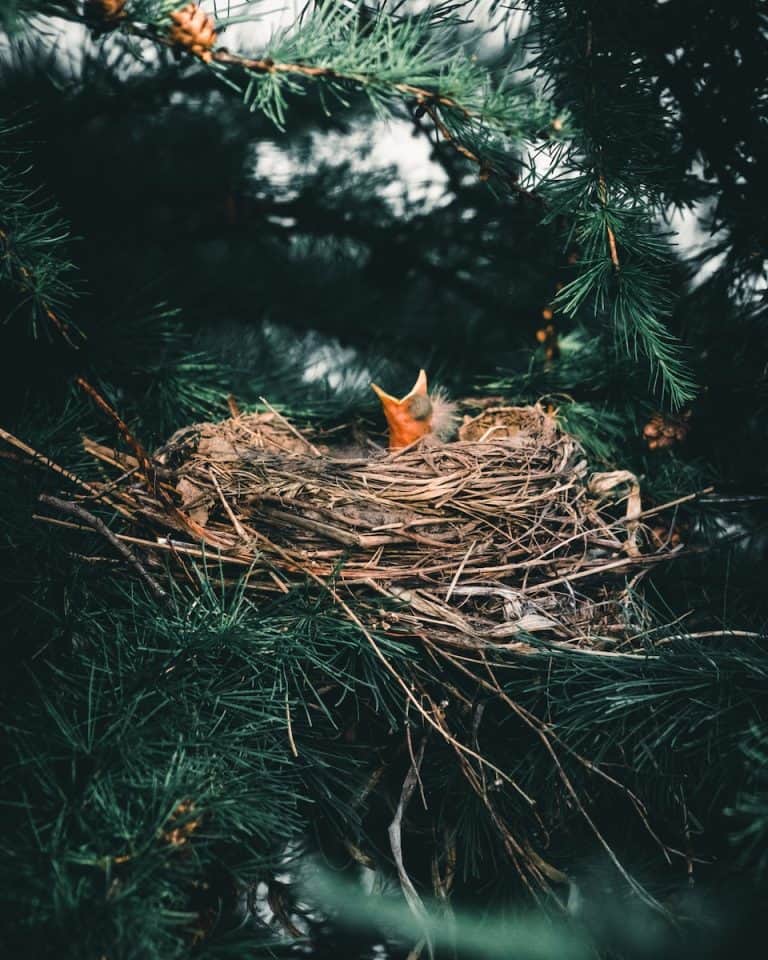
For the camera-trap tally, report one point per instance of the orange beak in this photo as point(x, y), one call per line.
point(408, 419)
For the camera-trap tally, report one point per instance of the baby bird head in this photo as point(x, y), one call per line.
point(416, 414)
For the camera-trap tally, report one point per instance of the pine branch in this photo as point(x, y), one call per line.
point(31, 237)
point(610, 182)
point(393, 60)
point(750, 811)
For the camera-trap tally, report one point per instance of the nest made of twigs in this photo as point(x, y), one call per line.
point(496, 537)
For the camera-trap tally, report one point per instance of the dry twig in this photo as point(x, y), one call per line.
point(75, 510)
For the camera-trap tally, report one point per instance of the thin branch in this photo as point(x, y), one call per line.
point(291, 741)
point(614, 253)
point(43, 461)
point(75, 510)
point(25, 279)
point(139, 452)
point(290, 426)
point(395, 833)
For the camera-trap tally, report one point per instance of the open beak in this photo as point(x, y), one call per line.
point(410, 418)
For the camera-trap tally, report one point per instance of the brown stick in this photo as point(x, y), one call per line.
point(46, 462)
point(427, 99)
point(75, 510)
point(545, 732)
point(291, 741)
point(234, 409)
point(230, 513)
point(612, 248)
point(138, 450)
point(146, 465)
point(395, 832)
point(291, 427)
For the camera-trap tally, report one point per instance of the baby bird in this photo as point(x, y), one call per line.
point(417, 414)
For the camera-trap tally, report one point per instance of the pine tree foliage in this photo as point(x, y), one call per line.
point(33, 268)
point(120, 794)
point(608, 177)
point(612, 177)
point(751, 808)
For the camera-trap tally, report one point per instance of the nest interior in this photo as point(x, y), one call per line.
point(499, 536)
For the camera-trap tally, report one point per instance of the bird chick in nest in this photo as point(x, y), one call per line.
point(417, 414)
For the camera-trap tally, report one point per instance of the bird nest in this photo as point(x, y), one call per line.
point(502, 536)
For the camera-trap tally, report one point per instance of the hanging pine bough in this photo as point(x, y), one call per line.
point(498, 537)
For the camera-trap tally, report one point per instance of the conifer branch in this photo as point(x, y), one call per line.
point(27, 284)
point(610, 183)
point(29, 232)
point(390, 59)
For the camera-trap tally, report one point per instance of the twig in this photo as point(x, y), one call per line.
point(241, 532)
point(395, 832)
point(534, 724)
point(425, 98)
point(593, 571)
point(75, 510)
point(291, 427)
point(277, 904)
point(668, 506)
point(267, 65)
point(688, 845)
point(485, 170)
point(291, 741)
point(166, 543)
point(459, 571)
point(570, 647)
point(613, 251)
point(528, 719)
point(446, 133)
point(147, 468)
point(702, 634)
point(44, 461)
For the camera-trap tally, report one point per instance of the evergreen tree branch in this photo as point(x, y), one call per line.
point(610, 181)
point(389, 58)
point(30, 263)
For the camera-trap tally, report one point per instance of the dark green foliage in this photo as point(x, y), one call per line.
point(612, 177)
point(161, 724)
point(35, 276)
point(751, 808)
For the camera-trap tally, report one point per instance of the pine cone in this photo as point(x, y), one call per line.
point(104, 14)
point(665, 430)
point(194, 30)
